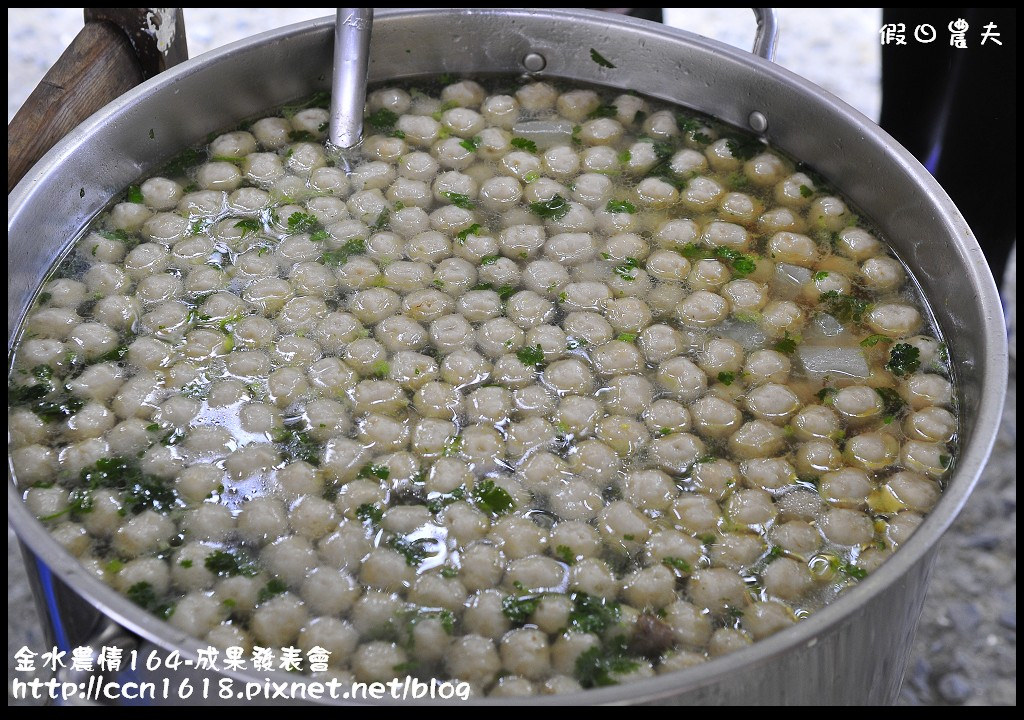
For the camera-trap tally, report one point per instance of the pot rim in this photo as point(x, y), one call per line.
point(807, 632)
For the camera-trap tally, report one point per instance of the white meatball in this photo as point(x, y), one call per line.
point(474, 659)
point(277, 622)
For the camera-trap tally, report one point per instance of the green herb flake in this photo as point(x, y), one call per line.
point(383, 221)
point(844, 308)
point(603, 111)
point(356, 246)
point(448, 572)
point(368, 512)
point(228, 159)
point(299, 222)
point(143, 595)
point(382, 120)
point(180, 164)
point(554, 209)
point(744, 148)
point(186, 563)
point(805, 191)
point(872, 340)
point(445, 107)
point(519, 609)
point(470, 144)
point(565, 554)
point(459, 200)
point(620, 206)
point(663, 150)
point(381, 472)
point(447, 620)
point(820, 275)
point(597, 666)
point(271, 589)
point(489, 259)
point(726, 378)
point(42, 372)
point(904, 359)
point(121, 236)
point(298, 445)
point(135, 195)
point(249, 226)
point(851, 570)
point(229, 564)
point(592, 614)
point(413, 550)
point(505, 292)
point(320, 99)
point(685, 123)
point(624, 157)
point(532, 356)
point(600, 59)
point(738, 181)
point(702, 138)
point(198, 227)
point(531, 176)
point(439, 503)
point(693, 251)
point(787, 345)
point(473, 229)
point(139, 491)
point(491, 498)
point(520, 143)
point(625, 270)
point(57, 407)
point(677, 563)
point(45, 297)
point(892, 403)
point(825, 393)
point(742, 265)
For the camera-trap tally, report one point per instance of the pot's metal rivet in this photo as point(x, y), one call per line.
point(534, 62)
point(758, 122)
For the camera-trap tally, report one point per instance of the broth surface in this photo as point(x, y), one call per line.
point(557, 388)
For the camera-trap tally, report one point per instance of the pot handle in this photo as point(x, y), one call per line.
point(116, 50)
point(767, 33)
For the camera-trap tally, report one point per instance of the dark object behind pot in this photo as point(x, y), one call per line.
point(955, 110)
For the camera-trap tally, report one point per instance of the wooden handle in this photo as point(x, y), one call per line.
point(99, 66)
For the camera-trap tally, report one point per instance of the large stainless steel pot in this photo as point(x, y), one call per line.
point(853, 651)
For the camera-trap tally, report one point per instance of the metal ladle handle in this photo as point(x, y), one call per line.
point(767, 33)
point(348, 86)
